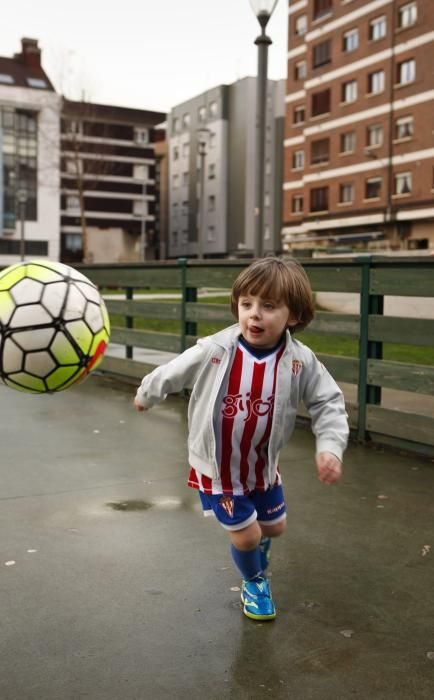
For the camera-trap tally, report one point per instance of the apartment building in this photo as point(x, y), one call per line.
point(359, 146)
point(212, 147)
point(108, 183)
point(29, 158)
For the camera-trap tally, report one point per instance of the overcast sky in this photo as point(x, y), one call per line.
point(150, 54)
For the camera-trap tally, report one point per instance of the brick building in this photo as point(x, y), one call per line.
point(359, 147)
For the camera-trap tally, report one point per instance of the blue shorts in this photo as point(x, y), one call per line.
point(237, 512)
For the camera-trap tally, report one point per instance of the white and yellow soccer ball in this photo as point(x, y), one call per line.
point(54, 326)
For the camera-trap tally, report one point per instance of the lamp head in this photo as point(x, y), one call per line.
point(263, 9)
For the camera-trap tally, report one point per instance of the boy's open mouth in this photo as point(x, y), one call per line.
point(255, 330)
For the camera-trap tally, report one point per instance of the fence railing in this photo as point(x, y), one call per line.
point(365, 373)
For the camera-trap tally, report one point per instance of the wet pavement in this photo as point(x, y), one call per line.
point(113, 586)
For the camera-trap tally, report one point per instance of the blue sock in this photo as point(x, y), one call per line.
point(248, 562)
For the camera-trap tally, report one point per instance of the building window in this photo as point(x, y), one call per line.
point(300, 70)
point(201, 114)
point(297, 204)
point(211, 203)
point(211, 233)
point(374, 136)
point(376, 82)
point(346, 193)
point(406, 71)
point(319, 199)
point(140, 171)
point(185, 121)
point(185, 179)
point(373, 188)
point(321, 102)
point(320, 151)
point(140, 207)
point(301, 25)
point(186, 149)
point(299, 115)
point(377, 28)
point(6, 79)
point(348, 142)
point(72, 204)
point(175, 181)
point(407, 15)
point(268, 167)
point(212, 108)
point(298, 160)
point(350, 40)
point(175, 210)
point(71, 166)
point(404, 128)
point(349, 91)
point(322, 53)
point(403, 183)
point(184, 208)
point(321, 8)
point(212, 139)
point(141, 136)
point(211, 171)
point(175, 153)
point(176, 125)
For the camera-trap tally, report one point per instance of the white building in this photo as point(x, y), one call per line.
point(29, 157)
point(228, 114)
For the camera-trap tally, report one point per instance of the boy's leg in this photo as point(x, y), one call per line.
point(271, 509)
point(237, 514)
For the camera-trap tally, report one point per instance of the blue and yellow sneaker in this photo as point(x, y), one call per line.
point(264, 546)
point(257, 600)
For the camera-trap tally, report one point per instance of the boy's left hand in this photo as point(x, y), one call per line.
point(329, 467)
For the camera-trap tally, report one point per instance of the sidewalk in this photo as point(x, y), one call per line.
point(115, 587)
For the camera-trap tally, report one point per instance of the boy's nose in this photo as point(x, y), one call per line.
point(255, 312)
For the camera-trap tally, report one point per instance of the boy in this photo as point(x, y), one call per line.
point(247, 382)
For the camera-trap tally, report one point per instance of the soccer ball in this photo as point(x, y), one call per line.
point(54, 326)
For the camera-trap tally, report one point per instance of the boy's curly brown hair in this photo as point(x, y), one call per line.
point(279, 280)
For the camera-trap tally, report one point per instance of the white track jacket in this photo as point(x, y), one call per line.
point(300, 377)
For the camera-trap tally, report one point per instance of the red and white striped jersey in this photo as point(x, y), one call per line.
point(242, 426)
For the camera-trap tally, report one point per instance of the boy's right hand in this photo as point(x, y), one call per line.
point(139, 406)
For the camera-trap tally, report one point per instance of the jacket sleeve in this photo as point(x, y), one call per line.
point(172, 377)
point(326, 406)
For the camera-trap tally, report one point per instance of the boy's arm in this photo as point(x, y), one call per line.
point(326, 406)
point(170, 378)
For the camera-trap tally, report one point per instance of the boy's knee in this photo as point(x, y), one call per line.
point(274, 530)
point(247, 538)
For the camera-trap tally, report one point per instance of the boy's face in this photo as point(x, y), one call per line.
point(263, 321)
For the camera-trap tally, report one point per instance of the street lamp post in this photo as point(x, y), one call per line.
point(202, 144)
point(22, 201)
point(263, 10)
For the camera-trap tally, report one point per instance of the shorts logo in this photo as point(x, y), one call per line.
point(296, 367)
point(227, 503)
point(215, 360)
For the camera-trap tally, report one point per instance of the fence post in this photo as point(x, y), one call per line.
point(368, 349)
point(182, 262)
point(129, 323)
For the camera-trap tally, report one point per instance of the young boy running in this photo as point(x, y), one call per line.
point(247, 382)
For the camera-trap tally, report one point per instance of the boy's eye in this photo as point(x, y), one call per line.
point(268, 306)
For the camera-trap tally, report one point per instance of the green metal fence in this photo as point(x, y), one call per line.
point(372, 278)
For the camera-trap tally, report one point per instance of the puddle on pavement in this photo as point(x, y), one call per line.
point(130, 505)
point(137, 506)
